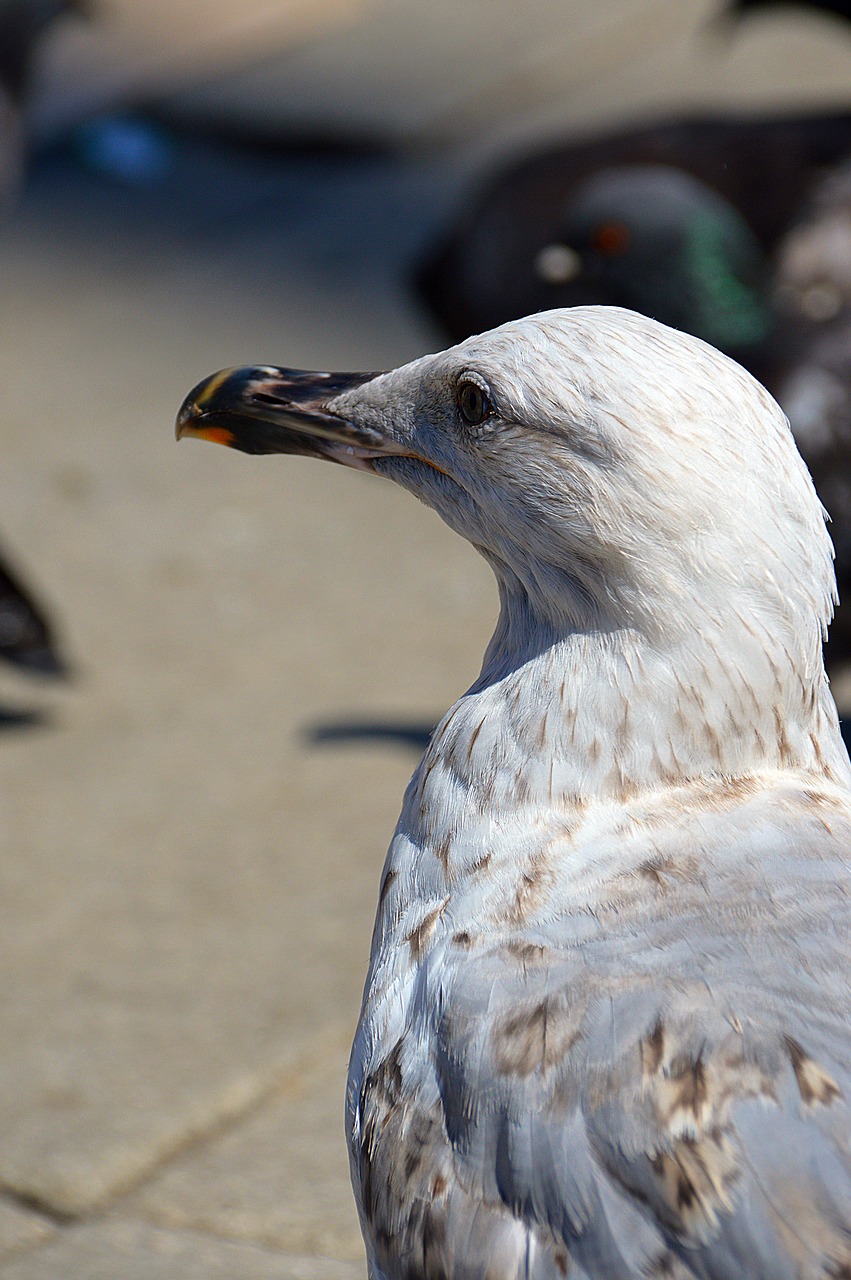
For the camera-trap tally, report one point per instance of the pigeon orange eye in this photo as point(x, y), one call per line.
point(473, 403)
point(611, 238)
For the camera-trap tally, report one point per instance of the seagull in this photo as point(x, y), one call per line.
point(605, 1027)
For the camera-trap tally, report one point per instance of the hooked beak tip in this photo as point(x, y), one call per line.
point(192, 420)
point(217, 435)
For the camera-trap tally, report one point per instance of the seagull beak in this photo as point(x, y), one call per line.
point(260, 409)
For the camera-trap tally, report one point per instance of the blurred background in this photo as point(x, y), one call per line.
point(219, 669)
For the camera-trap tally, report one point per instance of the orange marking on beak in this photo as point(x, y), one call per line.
point(218, 435)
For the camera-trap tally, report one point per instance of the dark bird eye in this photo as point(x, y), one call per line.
point(473, 403)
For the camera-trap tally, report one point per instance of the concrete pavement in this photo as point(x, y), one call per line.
point(191, 838)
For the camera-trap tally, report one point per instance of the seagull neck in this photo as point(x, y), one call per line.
point(556, 720)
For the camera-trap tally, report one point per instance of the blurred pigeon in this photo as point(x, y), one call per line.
point(23, 26)
point(809, 369)
point(772, 289)
point(813, 260)
point(658, 240)
point(491, 264)
point(26, 637)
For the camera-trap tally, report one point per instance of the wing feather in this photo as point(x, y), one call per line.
point(667, 1097)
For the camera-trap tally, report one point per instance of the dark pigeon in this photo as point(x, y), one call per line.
point(26, 636)
point(752, 254)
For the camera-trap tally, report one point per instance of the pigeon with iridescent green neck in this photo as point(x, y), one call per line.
point(659, 241)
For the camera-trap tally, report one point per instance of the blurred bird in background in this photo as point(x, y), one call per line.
point(746, 179)
point(738, 231)
point(26, 636)
point(24, 24)
point(811, 375)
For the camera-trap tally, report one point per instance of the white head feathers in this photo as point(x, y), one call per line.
point(632, 485)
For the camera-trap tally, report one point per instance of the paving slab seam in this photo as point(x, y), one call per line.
point(34, 1204)
point(283, 1080)
point(162, 1222)
point(189, 1232)
point(286, 1080)
point(280, 1257)
point(20, 1235)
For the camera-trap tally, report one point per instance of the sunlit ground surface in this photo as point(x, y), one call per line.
point(192, 835)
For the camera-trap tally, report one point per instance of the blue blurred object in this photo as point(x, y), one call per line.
point(127, 148)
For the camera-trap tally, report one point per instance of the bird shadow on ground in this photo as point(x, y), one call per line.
point(400, 733)
point(23, 718)
point(411, 734)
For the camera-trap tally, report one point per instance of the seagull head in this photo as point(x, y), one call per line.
point(616, 473)
point(659, 547)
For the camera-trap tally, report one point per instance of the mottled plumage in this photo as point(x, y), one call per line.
point(605, 1030)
